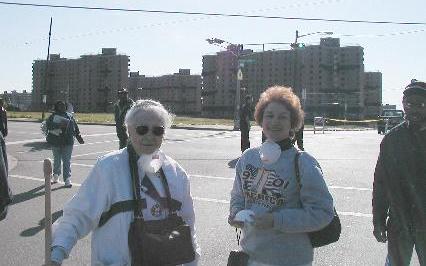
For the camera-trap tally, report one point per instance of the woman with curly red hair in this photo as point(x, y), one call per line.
point(274, 209)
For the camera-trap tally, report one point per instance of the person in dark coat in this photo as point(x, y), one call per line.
point(120, 110)
point(245, 116)
point(62, 129)
point(3, 119)
point(5, 192)
point(399, 189)
point(298, 138)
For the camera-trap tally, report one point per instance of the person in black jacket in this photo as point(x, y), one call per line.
point(5, 192)
point(120, 110)
point(62, 129)
point(399, 189)
point(3, 119)
point(245, 115)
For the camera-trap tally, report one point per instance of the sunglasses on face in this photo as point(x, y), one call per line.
point(157, 131)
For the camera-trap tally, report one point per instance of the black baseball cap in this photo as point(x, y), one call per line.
point(415, 88)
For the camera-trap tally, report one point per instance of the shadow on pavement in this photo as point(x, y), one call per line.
point(41, 224)
point(233, 162)
point(38, 146)
point(33, 193)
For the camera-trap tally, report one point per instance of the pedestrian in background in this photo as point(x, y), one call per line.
point(246, 114)
point(298, 138)
point(113, 181)
point(120, 109)
point(399, 189)
point(3, 119)
point(62, 128)
point(279, 211)
point(5, 192)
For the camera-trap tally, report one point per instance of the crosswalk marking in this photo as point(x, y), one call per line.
point(171, 138)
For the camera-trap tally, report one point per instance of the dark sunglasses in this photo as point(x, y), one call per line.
point(157, 131)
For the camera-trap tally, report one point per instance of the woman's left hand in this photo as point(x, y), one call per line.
point(264, 221)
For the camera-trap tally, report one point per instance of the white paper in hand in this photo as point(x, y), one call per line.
point(270, 152)
point(245, 216)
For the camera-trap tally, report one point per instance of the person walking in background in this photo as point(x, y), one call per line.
point(298, 138)
point(114, 180)
point(399, 188)
point(3, 119)
point(245, 117)
point(120, 109)
point(62, 128)
point(279, 210)
point(5, 192)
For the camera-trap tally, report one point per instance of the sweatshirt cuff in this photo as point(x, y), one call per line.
point(58, 254)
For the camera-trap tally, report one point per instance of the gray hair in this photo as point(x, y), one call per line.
point(148, 105)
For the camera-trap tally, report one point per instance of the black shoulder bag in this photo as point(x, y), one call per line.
point(328, 234)
point(157, 242)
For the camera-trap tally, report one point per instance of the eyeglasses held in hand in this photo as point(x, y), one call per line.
point(157, 131)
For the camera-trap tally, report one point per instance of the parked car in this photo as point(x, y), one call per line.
point(389, 119)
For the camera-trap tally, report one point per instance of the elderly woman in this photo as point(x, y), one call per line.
point(274, 210)
point(100, 206)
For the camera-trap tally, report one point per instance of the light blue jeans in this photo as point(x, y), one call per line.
point(62, 154)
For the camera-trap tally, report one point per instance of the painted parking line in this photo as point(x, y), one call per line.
point(40, 179)
point(44, 139)
point(352, 214)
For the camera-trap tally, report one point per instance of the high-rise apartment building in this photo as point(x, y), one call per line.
point(180, 93)
point(90, 82)
point(330, 76)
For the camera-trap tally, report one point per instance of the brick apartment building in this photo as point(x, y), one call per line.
point(331, 76)
point(180, 92)
point(17, 100)
point(90, 82)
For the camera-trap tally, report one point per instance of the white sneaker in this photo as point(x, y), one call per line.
point(55, 178)
point(68, 183)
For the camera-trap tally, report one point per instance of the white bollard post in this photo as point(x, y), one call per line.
point(47, 172)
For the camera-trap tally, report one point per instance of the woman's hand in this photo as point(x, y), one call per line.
point(264, 221)
point(234, 223)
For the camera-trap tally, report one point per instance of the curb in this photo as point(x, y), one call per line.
point(209, 127)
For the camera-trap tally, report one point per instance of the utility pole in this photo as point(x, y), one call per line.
point(294, 46)
point(44, 96)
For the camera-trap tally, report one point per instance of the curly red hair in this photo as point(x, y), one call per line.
point(285, 96)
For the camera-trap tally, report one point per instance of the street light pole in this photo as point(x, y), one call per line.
point(239, 75)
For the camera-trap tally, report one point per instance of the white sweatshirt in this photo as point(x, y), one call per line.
point(108, 182)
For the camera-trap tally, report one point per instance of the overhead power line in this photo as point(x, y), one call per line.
point(212, 14)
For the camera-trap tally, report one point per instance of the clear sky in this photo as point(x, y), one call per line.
point(160, 44)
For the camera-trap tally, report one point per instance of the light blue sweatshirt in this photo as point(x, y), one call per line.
point(287, 243)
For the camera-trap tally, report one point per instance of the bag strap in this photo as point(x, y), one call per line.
point(117, 207)
point(171, 204)
point(238, 232)
point(296, 169)
point(133, 158)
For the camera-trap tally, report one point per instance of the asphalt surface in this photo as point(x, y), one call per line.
point(209, 156)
